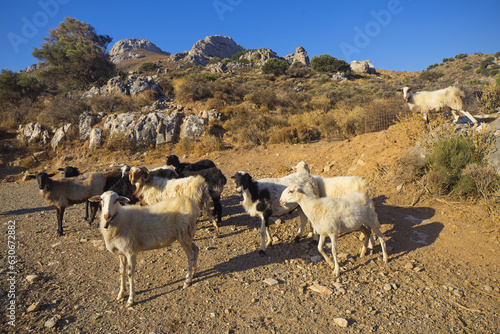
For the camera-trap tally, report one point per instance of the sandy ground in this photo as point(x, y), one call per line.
point(442, 275)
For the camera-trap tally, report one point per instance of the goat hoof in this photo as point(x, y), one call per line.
point(297, 239)
point(129, 304)
point(262, 253)
point(314, 242)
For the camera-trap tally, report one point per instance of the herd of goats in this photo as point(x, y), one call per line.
point(145, 209)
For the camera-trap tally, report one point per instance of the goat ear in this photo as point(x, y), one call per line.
point(61, 169)
point(95, 199)
point(399, 89)
point(300, 190)
point(51, 175)
point(123, 199)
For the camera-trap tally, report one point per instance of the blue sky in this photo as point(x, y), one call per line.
point(406, 35)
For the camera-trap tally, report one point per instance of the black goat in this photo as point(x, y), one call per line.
point(173, 160)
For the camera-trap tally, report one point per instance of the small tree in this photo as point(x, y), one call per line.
point(327, 63)
point(16, 85)
point(74, 55)
point(275, 66)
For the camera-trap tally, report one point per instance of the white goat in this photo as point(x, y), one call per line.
point(128, 230)
point(261, 198)
point(437, 101)
point(331, 216)
point(337, 186)
point(152, 189)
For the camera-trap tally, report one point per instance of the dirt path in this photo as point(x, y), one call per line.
point(442, 275)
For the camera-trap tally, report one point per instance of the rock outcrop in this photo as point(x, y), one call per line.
point(259, 56)
point(130, 44)
point(86, 122)
point(32, 133)
point(362, 67)
point(62, 134)
point(300, 56)
point(132, 86)
point(211, 46)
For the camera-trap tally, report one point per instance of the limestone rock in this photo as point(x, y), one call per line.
point(259, 57)
point(130, 44)
point(300, 56)
point(86, 122)
point(61, 135)
point(362, 67)
point(32, 132)
point(193, 127)
point(212, 46)
point(95, 137)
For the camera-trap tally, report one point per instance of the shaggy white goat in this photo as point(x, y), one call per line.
point(331, 216)
point(65, 192)
point(437, 101)
point(338, 186)
point(128, 230)
point(151, 190)
point(261, 199)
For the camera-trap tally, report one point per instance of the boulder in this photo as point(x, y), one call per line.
point(86, 122)
point(193, 127)
point(339, 76)
point(61, 135)
point(95, 138)
point(362, 67)
point(259, 57)
point(300, 56)
point(138, 85)
point(210, 114)
point(32, 132)
point(120, 123)
point(218, 68)
point(116, 86)
point(169, 127)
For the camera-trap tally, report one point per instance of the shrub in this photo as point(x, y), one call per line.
point(264, 97)
point(214, 60)
point(430, 76)
point(62, 109)
point(192, 88)
point(446, 163)
point(148, 67)
point(275, 66)
point(327, 63)
point(486, 180)
point(294, 135)
point(119, 142)
point(430, 67)
point(489, 99)
point(466, 67)
point(445, 60)
point(461, 56)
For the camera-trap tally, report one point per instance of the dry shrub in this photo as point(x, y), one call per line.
point(111, 103)
point(350, 121)
point(185, 146)
point(411, 126)
point(246, 127)
point(264, 97)
point(207, 144)
point(62, 109)
point(409, 167)
point(486, 181)
point(146, 98)
point(120, 142)
point(488, 101)
point(215, 103)
point(294, 135)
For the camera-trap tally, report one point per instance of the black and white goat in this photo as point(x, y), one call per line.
point(262, 199)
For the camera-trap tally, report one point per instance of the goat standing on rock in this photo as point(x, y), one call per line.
point(437, 101)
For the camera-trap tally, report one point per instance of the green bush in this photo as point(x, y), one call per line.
point(448, 159)
point(148, 67)
point(275, 66)
point(327, 63)
point(466, 67)
point(430, 76)
point(430, 67)
point(461, 56)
